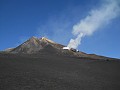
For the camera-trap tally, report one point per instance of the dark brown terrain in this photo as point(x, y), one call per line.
point(41, 64)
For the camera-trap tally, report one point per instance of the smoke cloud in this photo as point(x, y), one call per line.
point(96, 19)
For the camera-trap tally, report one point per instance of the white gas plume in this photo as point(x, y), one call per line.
point(96, 19)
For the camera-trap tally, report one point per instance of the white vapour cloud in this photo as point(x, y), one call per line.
point(96, 18)
point(75, 42)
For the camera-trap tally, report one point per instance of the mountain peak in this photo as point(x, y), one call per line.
point(34, 45)
point(33, 38)
point(39, 45)
point(48, 40)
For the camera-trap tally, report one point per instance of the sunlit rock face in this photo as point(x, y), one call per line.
point(34, 45)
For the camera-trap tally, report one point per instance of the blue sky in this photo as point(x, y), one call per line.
point(22, 19)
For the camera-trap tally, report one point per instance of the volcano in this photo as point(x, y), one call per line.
point(36, 45)
point(42, 64)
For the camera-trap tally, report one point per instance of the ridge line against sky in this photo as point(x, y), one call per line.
point(54, 19)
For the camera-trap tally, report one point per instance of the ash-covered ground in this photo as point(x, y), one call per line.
point(47, 71)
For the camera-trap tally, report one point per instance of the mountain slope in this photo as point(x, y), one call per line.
point(41, 64)
point(47, 71)
point(36, 45)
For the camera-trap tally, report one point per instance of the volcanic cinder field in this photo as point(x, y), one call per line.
point(51, 72)
point(48, 69)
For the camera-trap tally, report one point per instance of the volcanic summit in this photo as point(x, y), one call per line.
point(34, 45)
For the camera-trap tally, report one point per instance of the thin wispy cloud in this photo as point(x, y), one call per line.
point(54, 29)
point(58, 27)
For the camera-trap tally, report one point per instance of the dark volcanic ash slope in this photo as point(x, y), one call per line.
point(47, 71)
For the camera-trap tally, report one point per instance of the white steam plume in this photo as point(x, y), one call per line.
point(96, 18)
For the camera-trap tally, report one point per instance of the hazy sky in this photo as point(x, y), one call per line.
point(54, 19)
